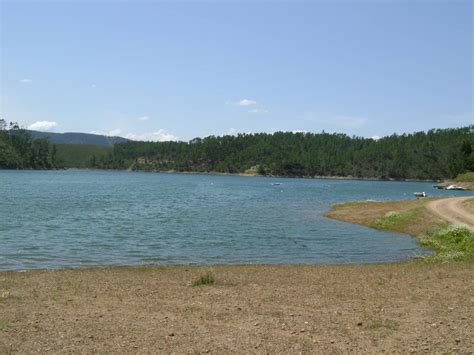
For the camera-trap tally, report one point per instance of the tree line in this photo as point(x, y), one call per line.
point(19, 151)
point(435, 154)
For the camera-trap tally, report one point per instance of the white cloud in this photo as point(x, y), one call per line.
point(114, 132)
point(143, 118)
point(246, 102)
point(25, 81)
point(43, 126)
point(160, 135)
point(111, 133)
point(231, 132)
point(258, 110)
point(375, 137)
point(243, 102)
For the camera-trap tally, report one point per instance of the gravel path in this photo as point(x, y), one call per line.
point(452, 210)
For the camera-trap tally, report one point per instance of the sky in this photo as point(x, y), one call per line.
point(164, 70)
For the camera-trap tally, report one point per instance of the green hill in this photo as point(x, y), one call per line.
point(78, 138)
point(436, 154)
point(79, 155)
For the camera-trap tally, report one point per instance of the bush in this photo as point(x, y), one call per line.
point(467, 177)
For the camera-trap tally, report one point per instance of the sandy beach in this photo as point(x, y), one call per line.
point(398, 308)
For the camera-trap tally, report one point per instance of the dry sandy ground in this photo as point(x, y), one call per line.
point(397, 308)
point(453, 210)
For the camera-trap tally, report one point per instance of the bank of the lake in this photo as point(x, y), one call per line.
point(443, 230)
point(396, 308)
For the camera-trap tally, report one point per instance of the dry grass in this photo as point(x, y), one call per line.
point(415, 219)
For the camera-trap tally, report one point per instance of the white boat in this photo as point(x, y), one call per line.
point(276, 183)
point(420, 194)
point(454, 187)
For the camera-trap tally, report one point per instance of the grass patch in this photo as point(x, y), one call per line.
point(396, 220)
point(205, 279)
point(467, 177)
point(452, 243)
point(4, 326)
point(408, 216)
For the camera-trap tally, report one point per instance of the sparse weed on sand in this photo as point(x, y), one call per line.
point(205, 279)
point(4, 326)
point(5, 295)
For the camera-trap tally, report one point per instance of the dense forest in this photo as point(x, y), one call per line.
point(436, 154)
point(18, 150)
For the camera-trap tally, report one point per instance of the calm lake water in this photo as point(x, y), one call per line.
point(57, 219)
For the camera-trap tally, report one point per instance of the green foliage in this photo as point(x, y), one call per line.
point(467, 177)
point(19, 151)
point(395, 220)
point(4, 326)
point(79, 155)
point(436, 154)
point(205, 279)
point(451, 243)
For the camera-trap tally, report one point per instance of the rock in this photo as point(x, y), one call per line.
point(171, 334)
point(359, 324)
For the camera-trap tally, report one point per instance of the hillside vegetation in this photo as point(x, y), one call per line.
point(467, 177)
point(436, 154)
point(19, 151)
point(79, 155)
point(78, 138)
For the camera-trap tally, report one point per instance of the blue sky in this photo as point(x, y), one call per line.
point(166, 70)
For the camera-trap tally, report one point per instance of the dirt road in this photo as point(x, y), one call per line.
point(452, 210)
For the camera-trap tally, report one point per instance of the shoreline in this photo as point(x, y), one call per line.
point(216, 173)
point(402, 307)
point(315, 308)
point(417, 218)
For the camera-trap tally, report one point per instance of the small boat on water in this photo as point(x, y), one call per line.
point(276, 183)
point(454, 187)
point(420, 194)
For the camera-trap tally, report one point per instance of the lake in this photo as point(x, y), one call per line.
point(62, 219)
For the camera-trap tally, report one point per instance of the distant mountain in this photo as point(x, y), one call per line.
point(79, 138)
